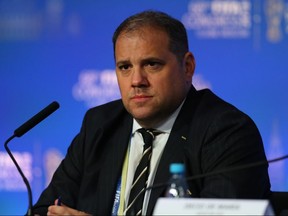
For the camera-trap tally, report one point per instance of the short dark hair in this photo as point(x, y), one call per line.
point(175, 30)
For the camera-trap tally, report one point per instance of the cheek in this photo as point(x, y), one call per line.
point(123, 85)
point(124, 94)
point(174, 86)
point(170, 82)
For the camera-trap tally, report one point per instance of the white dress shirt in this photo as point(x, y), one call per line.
point(136, 150)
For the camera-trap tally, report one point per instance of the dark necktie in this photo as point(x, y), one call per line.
point(136, 197)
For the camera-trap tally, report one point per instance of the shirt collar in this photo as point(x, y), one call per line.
point(166, 126)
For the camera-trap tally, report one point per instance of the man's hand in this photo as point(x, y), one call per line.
point(63, 210)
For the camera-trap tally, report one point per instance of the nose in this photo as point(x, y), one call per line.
point(139, 78)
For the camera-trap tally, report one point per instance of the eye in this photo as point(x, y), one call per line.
point(153, 65)
point(124, 67)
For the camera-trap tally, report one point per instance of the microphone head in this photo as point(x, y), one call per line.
point(36, 119)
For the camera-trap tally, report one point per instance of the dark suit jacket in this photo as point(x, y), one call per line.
point(208, 134)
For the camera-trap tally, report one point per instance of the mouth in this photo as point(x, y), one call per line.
point(141, 98)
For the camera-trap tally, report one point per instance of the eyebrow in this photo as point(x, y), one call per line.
point(145, 60)
point(122, 62)
point(153, 59)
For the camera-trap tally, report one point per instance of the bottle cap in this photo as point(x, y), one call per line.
point(177, 168)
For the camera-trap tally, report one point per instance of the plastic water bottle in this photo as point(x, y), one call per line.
point(177, 184)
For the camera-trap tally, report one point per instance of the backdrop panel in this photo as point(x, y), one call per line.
point(62, 50)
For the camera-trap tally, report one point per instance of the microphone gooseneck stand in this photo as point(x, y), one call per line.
point(30, 209)
point(44, 113)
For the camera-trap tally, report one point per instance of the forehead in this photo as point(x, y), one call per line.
point(144, 37)
point(144, 32)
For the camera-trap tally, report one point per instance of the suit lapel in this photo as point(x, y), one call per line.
point(111, 167)
point(175, 147)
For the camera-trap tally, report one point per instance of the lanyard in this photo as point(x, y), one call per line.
point(118, 206)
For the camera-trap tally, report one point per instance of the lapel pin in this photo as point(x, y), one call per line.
point(184, 138)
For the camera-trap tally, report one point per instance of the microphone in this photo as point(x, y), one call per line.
point(36, 119)
point(221, 171)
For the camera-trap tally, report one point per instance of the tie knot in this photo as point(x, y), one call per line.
point(148, 136)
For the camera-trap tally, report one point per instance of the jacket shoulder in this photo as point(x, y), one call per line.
point(213, 102)
point(106, 111)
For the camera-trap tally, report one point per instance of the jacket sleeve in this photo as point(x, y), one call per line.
point(67, 177)
point(232, 139)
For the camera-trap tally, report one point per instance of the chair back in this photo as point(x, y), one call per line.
point(279, 202)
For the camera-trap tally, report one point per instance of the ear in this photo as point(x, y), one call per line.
point(189, 64)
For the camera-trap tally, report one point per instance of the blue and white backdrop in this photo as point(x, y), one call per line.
point(61, 50)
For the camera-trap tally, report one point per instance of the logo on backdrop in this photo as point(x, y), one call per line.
point(216, 19)
point(219, 19)
point(10, 178)
point(275, 12)
point(52, 159)
point(96, 87)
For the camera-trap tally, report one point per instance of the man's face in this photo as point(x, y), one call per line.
point(152, 81)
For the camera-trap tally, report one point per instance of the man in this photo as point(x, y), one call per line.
point(154, 70)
